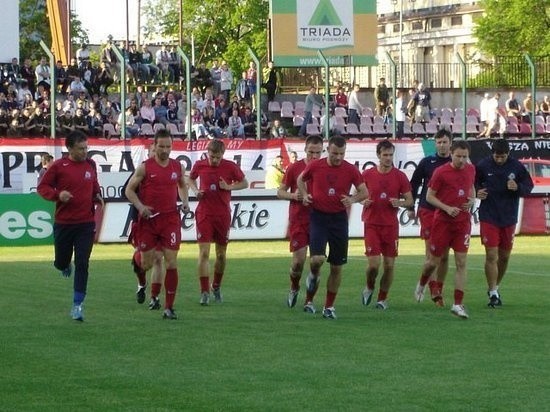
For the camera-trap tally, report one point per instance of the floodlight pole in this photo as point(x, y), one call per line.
point(258, 94)
point(122, 76)
point(394, 82)
point(187, 91)
point(533, 70)
point(464, 97)
point(326, 126)
point(52, 87)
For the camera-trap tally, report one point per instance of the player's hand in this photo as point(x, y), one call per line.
point(367, 202)
point(452, 211)
point(146, 212)
point(395, 202)
point(512, 185)
point(307, 200)
point(482, 194)
point(65, 196)
point(224, 185)
point(469, 204)
point(100, 201)
point(199, 195)
point(347, 201)
point(298, 196)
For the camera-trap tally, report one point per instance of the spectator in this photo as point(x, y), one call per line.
point(249, 122)
point(104, 78)
point(161, 112)
point(236, 128)
point(422, 100)
point(340, 99)
point(42, 73)
point(80, 122)
point(545, 107)
point(311, 100)
point(77, 86)
point(277, 130)
point(132, 128)
point(512, 106)
point(28, 74)
point(83, 56)
point(150, 69)
point(61, 77)
point(197, 124)
point(529, 107)
point(147, 112)
point(215, 75)
point(95, 123)
point(226, 80)
point(484, 107)
point(242, 88)
point(162, 60)
point(270, 85)
point(381, 97)
point(251, 77)
point(355, 108)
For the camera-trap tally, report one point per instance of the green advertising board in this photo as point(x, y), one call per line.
point(25, 220)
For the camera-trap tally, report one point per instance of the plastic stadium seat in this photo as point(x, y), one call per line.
point(312, 129)
point(174, 131)
point(147, 129)
point(524, 128)
point(351, 128)
point(367, 111)
point(287, 109)
point(109, 130)
point(366, 120)
point(418, 128)
point(297, 121)
point(340, 112)
point(431, 128)
point(365, 128)
point(378, 119)
point(274, 106)
point(379, 129)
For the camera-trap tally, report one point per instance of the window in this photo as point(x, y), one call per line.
point(436, 23)
point(382, 29)
point(417, 25)
point(456, 21)
point(396, 28)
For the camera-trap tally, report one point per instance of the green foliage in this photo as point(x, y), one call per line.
point(34, 26)
point(252, 353)
point(514, 27)
point(221, 29)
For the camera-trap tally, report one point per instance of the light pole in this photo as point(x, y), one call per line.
point(401, 38)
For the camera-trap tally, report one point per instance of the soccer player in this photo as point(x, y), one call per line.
point(500, 181)
point(420, 179)
point(298, 214)
point(72, 183)
point(160, 180)
point(217, 178)
point(157, 272)
point(389, 189)
point(325, 186)
point(451, 191)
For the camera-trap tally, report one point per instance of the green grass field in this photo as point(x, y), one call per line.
point(252, 353)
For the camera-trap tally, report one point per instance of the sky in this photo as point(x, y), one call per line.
point(103, 17)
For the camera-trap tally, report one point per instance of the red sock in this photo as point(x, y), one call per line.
point(155, 289)
point(436, 288)
point(170, 285)
point(216, 283)
point(382, 295)
point(329, 300)
point(459, 295)
point(424, 279)
point(140, 273)
point(205, 283)
point(431, 284)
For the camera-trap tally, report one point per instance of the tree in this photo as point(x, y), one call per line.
point(32, 15)
point(221, 29)
point(513, 28)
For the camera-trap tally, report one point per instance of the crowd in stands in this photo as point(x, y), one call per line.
point(222, 105)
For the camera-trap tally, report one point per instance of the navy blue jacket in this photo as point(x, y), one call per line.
point(422, 175)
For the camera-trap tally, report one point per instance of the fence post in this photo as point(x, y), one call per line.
point(464, 97)
point(187, 91)
point(258, 94)
point(393, 73)
point(533, 70)
point(52, 88)
point(326, 126)
point(122, 76)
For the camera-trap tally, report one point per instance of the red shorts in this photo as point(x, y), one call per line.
point(213, 228)
point(494, 236)
point(426, 217)
point(161, 232)
point(454, 235)
point(381, 240)
point(298, 233)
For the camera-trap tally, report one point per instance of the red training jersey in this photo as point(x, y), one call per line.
point(159, 188)
point(297, 211)
point(80, 180)
point(215, 201)
point(327, 184)
point(382, 187)
point(453, 187)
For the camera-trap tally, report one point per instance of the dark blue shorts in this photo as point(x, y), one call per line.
point(331, 228)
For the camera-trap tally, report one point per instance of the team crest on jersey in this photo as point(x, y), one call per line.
point(213, 187)
point(383, 195)
point(331, 192)
point(174, 176)
point(87, 176)
point(511, 176)
point(461, 192)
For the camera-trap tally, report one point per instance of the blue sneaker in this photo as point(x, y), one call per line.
point(67, 271)
point(77, 313)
